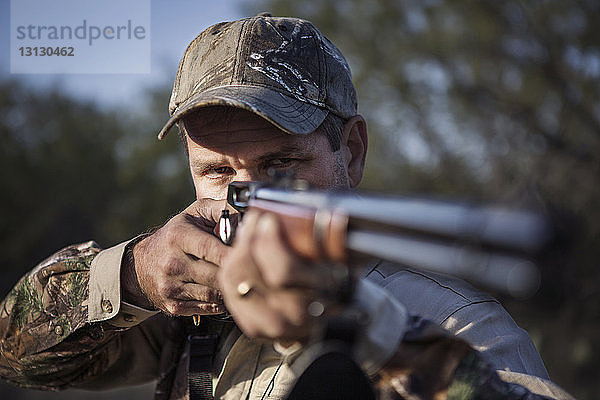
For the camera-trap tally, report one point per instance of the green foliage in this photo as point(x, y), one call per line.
point(29, 302)
point(496, 101)
point(72, 172)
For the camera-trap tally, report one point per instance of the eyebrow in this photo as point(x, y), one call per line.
point(202, 165)
point(288, 150)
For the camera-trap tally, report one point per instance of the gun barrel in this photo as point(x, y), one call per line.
point(513, 230)
point(490, 246)
point(507, 273)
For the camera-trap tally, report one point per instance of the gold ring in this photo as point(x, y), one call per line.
point(244, 288)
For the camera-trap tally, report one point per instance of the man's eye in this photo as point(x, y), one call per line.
point(218, 172)
point(282, 162)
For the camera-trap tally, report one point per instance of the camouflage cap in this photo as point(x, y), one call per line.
point(282, 69)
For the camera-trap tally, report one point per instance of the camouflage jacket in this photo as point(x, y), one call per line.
point(51, 339)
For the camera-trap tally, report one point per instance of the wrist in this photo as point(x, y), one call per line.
point(131, 291)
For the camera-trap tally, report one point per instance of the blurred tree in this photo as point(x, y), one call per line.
point(73, 172)
point(489, 100)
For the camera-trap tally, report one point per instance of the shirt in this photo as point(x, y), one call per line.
point(64, 325)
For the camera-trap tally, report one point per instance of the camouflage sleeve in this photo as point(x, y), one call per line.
point(431, 364)
point(46, 341)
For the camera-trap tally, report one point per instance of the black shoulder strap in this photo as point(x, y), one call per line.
point(203, 341)
point(203, 347)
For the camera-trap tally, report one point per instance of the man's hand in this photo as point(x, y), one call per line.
point(270, 291)
point(176, 267)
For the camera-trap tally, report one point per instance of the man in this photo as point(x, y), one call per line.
point(252, 96)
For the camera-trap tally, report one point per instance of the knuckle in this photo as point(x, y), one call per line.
point(170, 235)
point(220, 254)
point(207, 308)
point(210, 278)
point(209, 295)
point(207, 249)
point(172, 266)
point(175, 307)
point(202, 294)
point(172, 292)
point(202, 248)
point(278, 276)
point(164, 289)
point(170, 308)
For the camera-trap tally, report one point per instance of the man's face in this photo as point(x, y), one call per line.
point(237, 145)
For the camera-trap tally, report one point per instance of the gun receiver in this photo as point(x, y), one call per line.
point(489, 246)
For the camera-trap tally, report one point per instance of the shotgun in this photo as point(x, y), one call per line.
point(490, 246)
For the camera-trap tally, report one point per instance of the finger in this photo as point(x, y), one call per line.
point(257, 319)
point(293, 304)
point(193, 307)
point(241, 266)
point(279, 265)
point(198, 292)
point(253, 312)
point(201, 273)
point(202, 245)
point(247, 227)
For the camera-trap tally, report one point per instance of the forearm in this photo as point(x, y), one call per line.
point(431, 364)
point(48, 339)
point(426, 361)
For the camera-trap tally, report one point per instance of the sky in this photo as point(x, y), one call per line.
point(173, 24)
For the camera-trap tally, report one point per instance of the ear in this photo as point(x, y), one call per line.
point(354, 147)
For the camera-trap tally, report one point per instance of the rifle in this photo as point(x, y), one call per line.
point(489, 246)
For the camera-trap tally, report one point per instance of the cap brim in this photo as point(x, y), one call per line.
point(287, 113)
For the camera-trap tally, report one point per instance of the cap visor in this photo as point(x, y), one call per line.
point(287, 113)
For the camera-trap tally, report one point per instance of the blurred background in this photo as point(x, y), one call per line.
point(495, 101)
